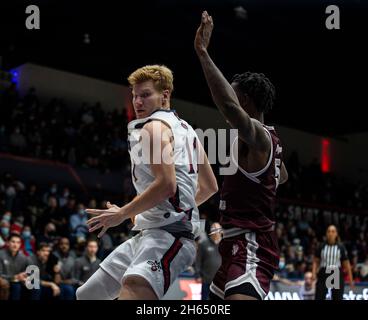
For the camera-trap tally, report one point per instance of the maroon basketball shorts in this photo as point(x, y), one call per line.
point(249, 260)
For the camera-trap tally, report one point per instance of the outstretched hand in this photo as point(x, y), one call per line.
point(203, 35)
point(106, 218)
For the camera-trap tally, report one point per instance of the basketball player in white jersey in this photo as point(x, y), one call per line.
point(170, 187)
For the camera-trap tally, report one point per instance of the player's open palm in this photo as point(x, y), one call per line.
point(105, 219)
point(203, 36)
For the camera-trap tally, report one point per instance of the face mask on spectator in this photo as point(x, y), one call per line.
point(5, 231)
point(53, 190)
point(81, 212)
point(26, 234)
point(7, 218)
point(282, 264)
point(51, 233)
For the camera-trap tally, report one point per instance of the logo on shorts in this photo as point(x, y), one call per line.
point(235, 249)
point(155, 265)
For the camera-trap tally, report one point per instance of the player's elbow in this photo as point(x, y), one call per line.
point(213, 188)
point(168, 188)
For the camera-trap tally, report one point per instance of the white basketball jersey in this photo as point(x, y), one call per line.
point(181, 210)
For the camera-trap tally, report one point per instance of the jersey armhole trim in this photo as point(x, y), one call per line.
point(253, 175)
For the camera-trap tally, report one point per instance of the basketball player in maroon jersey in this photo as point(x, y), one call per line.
point(249, 249)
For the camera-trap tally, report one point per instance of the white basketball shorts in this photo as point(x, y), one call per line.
point(153, 254)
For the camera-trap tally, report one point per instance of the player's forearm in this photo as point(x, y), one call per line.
point(205, 192)
point(222, 92)
point(157, 192)
point(202, 196)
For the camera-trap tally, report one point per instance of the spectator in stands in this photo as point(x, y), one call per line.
point(64, 197)
point(78, 223)
point(364, 271)
point(31, 101)
point(49, 235)
point(3, 139)
point(106, 246)
point(4, 232)
point(9, 192)
point(70, 207)
point(32, 199)
point(17, 225)
point(17, 141)
point(7, 216)
point(65, 269)
point(54, 214)
point(88, 264)
point(13, 264)
point(48, 288)
point(282, 272)
point(53, 191)
point(28, 242)
point(208, 258)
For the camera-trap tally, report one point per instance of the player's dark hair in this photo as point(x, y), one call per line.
point(258, 87)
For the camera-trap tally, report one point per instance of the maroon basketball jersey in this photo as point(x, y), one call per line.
point(248, 199)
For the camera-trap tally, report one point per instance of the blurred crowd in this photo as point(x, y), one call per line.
point(47, 226)
point(86, 136)
point(300, 234)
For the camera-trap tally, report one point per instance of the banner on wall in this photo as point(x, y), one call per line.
point(190, 289)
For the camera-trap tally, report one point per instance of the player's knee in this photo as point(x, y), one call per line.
point(79, 293)
point(136, 286)
point(133, 282)
point(84, 293)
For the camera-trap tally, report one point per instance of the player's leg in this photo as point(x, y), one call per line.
point(100, 286)
point(105, 283)
point(217, 287)
point(137, 288)
point(245, 291)
point(159, 260)
point(253, 260)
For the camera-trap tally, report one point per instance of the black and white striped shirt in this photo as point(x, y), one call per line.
point(331, 255)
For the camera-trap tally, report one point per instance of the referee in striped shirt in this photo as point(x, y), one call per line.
point(332, 253)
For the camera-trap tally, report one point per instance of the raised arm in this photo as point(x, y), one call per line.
point(250, 130)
